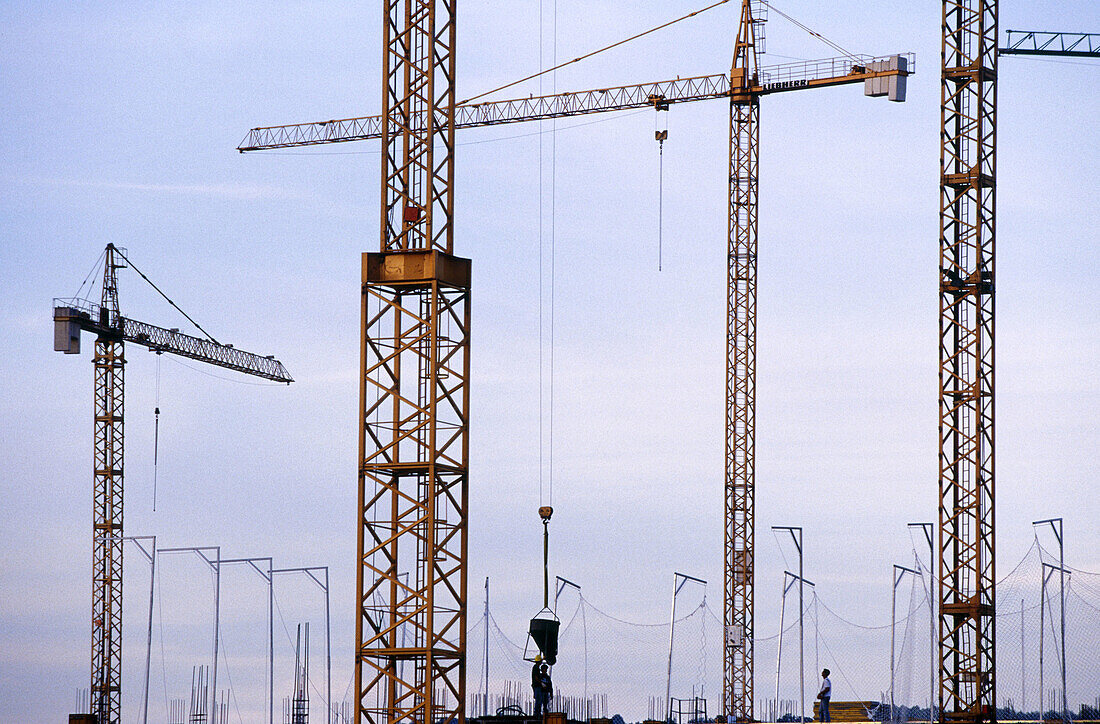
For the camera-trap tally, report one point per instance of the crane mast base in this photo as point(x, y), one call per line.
point(413, 488)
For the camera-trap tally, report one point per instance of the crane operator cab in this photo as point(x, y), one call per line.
point(542, 634)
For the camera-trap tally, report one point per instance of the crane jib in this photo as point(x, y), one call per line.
point(874, 71)
point(71, 316)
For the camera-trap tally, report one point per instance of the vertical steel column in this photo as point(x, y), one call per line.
point(967, 686)
point(418, 128)
point(151, 556)
point(796, 538)
point(485, 711)
point(1056, 527)
point(413, 447)
point(933, 645)
point(311, 573)
point(107, 542)
point(741, 379)
point(330, 714)
point(740, 409)
point(413, 483)
point(269, 577)
point(899, 574)
point(1023, 661)
point(679, 580)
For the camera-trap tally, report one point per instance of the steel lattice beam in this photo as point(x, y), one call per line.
point(740, 488)
point(772, 79)
point(967, 686)
point(413, 491)
point(741, 411)
point(93, 318)
point(106, 673)
point(1035, 42)
point(410, 663)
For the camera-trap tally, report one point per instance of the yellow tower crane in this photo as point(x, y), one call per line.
point(966, 557)
point(415, 264)
point(112, 330)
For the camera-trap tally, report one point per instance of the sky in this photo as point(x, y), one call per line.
point(119, 125)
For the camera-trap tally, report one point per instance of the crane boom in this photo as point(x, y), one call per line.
point(1037, 42)
point(71, 316)
point(771, 79)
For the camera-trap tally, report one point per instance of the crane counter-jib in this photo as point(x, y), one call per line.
point(72, 316)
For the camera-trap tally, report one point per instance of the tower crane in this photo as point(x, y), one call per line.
point(425, 410)
point(968, 182)
point(113, 331)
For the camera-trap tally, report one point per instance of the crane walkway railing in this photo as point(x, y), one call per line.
point(856, 67)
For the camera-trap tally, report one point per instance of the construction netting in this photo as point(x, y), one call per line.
point(1030, 645)
point(610, 666)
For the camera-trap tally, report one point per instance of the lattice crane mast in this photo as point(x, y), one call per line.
point(113, 331)
point(410, 269)
point(967, 690)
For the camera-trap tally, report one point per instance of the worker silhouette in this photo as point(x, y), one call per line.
point(541, 686)
point(824, 695)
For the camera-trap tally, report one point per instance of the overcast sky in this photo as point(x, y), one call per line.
point(119, 124)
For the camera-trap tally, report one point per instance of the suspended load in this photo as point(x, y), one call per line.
point(543, 630)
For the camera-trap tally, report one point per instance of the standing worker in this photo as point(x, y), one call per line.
point(825, 694)
point(537, 687)
point(547, 688)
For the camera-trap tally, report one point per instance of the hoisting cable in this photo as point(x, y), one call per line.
point(174, 305)
point(661, 135)
point(660, 200)
point(812, 32)
point(553, 240)
point(596, 52)
point(547, 218)
point(156, 433)
point(542, 198)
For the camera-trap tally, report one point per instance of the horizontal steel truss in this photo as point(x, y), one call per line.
point(741, 411)
point(967, 688)
point(1034, 42)
point(93, 318)
point(107, 541)
point(773, 79)
point(413, 488)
